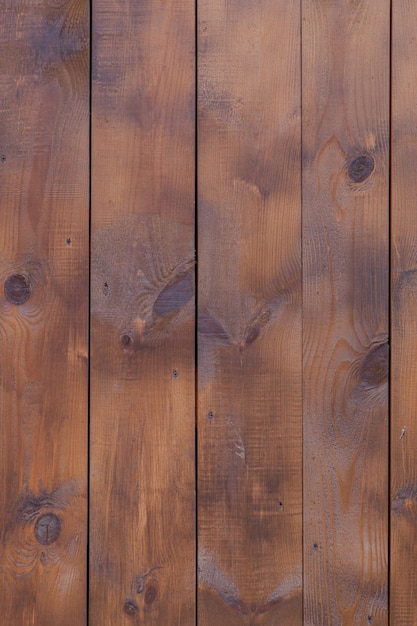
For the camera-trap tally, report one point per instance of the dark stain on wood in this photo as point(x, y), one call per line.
point(17, 288)
point(360, 168)
point(234, 603)
point(211, 328)
point(175, 295)
point(149, 304)
point(47, 528)
point(404, 502)
point(253, 334)
point(374, 368)
point(30, 506)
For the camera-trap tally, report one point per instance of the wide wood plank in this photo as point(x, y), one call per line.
point(142, 321)
point(403, 579)
point(345, 86)
point(44, 78)
point(249, 295)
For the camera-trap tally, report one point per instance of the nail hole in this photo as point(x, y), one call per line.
point(105, 289)
point(315, 547)
point(68, 242)
point(175, 374)
point(3, 159)
point(210, 415)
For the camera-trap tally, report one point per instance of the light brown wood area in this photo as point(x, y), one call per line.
point(208, 344)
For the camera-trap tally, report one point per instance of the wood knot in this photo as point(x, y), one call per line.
point(150, 594)
point(360, 168)
point(130, 607)
point(17, 288)
point(47, 528)
point(126, 341)
point(374, 368)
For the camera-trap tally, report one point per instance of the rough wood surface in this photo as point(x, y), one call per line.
point(403, 579)
point(43, 311)
point(345, 85)
point(142, 325)
point(249, 296)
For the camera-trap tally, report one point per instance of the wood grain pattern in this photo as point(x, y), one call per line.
point(345, 84)
point(142, 324)
point(403, 578)
point(249, 293)
point(44, 79)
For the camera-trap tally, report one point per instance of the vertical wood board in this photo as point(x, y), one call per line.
point(44, 157)
point(249, 318)
point(403, 579)
point(345, 86)
point(142, 536)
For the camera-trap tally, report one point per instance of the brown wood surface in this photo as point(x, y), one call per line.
point(249, 298)
point(142, 534)
point(345, 85)
point(293, 321)
point(44, 80)
point(403, 587)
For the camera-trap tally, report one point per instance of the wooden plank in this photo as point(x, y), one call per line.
point(403, 575)
point(249, 293)
point(44, 162)
point(142, 324)
point(345, 309)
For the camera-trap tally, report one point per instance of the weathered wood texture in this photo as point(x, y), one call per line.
point(403, 588)
point(249, 295)
point(142, 322)
point(44, 80)
point(345, 84)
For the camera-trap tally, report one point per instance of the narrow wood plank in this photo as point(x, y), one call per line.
point(142, 322)
point(345, 312)
point(44, 78)
point(249, 293)
point(403, 574)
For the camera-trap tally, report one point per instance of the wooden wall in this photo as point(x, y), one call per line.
point(208, 304)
